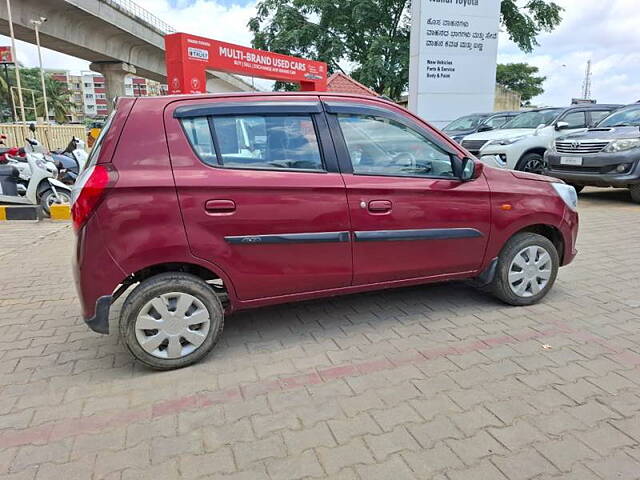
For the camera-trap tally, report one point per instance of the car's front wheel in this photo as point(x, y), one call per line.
point(171, 320)
point(635, 192)
point(532, 163)
point(527, 269)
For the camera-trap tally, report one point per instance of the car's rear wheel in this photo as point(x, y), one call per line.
point(527, 269)
point(635, 192)
point(171, 320)
point(532, 163)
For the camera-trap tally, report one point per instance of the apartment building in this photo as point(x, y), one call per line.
point(89, 95)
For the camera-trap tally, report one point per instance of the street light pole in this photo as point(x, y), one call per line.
point(15, 60)
point(36, 24)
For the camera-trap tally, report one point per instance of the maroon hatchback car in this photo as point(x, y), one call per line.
point(210, 204)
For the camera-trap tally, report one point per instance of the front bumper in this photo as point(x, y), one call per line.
point(598, 170)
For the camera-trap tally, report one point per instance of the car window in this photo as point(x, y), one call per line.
point(597, 115)
point(626, 117)
point(380, 146)
point(496, 122)
point(533, 118)
point(257, 141)
point(575, 119)
point(469, 122)
point(199, 134)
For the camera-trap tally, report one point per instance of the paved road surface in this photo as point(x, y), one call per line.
point(433, 382)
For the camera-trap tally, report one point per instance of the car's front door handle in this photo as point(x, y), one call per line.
point(379, 206)
point(220, 206)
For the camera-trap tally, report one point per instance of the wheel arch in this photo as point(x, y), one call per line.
point(553, 234)
point(214, 277)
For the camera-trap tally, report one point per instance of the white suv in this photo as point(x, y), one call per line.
point(521, 143)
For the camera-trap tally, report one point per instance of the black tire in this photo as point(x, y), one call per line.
point(578, 188)
point(500, 286)
point(45, 202)
point(162, 284)
point(532, 163)
point(635, 192)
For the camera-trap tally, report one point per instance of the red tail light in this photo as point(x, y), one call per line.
point(89, 191)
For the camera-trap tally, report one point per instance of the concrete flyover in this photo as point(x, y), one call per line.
point(117, 36)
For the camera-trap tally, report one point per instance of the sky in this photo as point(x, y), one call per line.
point(605, 31)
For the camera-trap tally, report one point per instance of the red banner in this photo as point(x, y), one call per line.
point(5, 55)
point(189, 56)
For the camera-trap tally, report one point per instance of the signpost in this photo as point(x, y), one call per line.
point(188, 58)
point(454, 47)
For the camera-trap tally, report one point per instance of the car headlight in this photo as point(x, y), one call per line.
point(506, 141)
point(568, 194)
point(622, 145)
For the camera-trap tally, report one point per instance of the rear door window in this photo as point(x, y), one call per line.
point(273, 142)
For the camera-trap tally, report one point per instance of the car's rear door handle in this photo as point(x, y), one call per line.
point(220, 206)
point(379, 206)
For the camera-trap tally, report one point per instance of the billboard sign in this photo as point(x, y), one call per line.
point(189, 56)
point(5, 55)
point(454, 46)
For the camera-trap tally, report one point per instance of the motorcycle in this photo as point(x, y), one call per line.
point(32, 180)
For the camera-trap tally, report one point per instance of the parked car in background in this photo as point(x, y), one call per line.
point(522, 142)
point(237, 201)
point(477, 122)
point(605, 156)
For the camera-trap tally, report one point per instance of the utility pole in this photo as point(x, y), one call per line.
point(36, 25)
point(586, 84)
point(15, 59)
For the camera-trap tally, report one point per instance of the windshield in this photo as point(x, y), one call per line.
point(95, 150)
point(469, 122)
point(533, 119)
point(629, 117)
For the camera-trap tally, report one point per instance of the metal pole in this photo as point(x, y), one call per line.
point(37, 24)
point(6, 79)
point(15, 60)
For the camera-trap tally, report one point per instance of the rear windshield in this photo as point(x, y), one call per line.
point(97, 146)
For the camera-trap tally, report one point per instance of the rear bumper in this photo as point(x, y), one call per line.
point(597, 170)
point(96, 276)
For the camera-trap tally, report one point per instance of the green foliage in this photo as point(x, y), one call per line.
point(370, 38)
point(521, 78)
point(58, 97)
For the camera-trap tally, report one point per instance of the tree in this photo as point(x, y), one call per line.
point(370, 38)
point(58, 99)
point(521, 78)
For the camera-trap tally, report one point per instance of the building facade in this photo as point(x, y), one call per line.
point(88, 93)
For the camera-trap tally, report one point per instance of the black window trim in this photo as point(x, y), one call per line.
point(334, 108)
point(248, 108)
point(327, 153)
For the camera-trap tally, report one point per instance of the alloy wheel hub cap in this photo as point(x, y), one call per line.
point(530, 271)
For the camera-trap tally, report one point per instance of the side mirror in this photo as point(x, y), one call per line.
point(468, 169)
point(562, 126)
point(485, 128)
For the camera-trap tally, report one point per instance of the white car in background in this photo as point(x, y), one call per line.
point(522, 142)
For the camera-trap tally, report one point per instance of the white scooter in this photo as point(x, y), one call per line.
point(36, 182)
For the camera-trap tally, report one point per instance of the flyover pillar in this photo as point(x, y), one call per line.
point(114, 74)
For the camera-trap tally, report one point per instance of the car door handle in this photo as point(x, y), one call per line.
point(379, 206)
point(220, 206)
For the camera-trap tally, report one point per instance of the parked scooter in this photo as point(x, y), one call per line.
point(34, 178)
point(70, 161)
